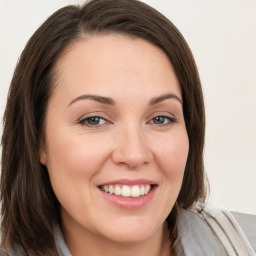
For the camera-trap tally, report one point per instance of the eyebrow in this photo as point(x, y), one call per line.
point(165, 97)
point(109, 101)
point(100, 99)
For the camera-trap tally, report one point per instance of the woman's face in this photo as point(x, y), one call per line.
point(116, 144)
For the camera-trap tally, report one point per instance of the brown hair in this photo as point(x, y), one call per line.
point(30, 209)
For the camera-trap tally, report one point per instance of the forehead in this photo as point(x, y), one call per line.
point(115, 63)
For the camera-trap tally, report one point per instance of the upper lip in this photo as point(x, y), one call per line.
point(129, 182)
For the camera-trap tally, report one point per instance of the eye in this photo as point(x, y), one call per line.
point(93, 121)
point(162, 120)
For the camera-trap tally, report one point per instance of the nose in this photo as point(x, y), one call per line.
point(131, 148)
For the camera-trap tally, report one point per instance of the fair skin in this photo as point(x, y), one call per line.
point(115, 117)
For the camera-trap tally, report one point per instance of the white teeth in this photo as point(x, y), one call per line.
point(110, 189)
point(135, 191)
point(118, 191)
point(142, 190)
point(147, 188)
point(127, 191)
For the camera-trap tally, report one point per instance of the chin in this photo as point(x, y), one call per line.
point(132, 232)
point(133, 237)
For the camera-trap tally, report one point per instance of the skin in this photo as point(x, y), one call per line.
point(126, 143)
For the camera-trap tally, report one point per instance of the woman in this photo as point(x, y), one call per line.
point(103, 140)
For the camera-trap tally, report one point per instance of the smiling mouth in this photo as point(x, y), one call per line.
point(127, 191)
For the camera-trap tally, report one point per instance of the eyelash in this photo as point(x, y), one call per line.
point(167, 121)
point(84, 122)
point(170, 120)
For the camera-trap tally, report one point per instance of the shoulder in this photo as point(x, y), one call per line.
point(3, 252)
point(18, 251)
point(248, 224)
point(218, 226)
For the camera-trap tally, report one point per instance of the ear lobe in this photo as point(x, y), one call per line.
point(42, 156)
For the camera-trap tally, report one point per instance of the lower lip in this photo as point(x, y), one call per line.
point(129, 203)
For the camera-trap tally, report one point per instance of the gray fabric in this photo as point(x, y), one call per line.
point(13, 252)
point(196, 237)
point(60, 243)
point(226, 230)
point(2, 252)
point(248, 224)
point(17, 251)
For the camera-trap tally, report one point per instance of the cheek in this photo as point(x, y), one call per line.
point(74, 158)
point(72, 163)
point(172, 155)
point(171, 159)
point(74, 154)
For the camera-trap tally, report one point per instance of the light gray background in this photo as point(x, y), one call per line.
point(222, 36)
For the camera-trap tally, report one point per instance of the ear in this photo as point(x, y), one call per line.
point(42, 155)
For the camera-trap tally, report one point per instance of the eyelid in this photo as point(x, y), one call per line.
point(92, 114)
point(161, 113)
point(85, 122)
point(82, 120)
point(172, 119)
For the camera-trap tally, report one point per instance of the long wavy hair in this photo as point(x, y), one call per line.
point(30, 209)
